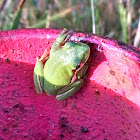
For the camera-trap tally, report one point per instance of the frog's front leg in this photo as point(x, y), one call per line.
point(60, 40)
point(70, 90)
point(38, 74)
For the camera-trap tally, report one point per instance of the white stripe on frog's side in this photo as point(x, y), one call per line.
point(39, 84)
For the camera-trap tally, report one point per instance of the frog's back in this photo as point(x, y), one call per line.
point(58, 71)
point(60, 67)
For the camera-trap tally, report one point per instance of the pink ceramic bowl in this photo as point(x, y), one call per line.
point(107, 107)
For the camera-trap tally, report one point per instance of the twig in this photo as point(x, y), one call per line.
point(21, 3)
point(137, 36)
point(93, 17)
point(2, 5)
point(129, 19)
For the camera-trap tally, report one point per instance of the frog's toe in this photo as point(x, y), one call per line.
point(68, 36)
point(64, 36)
point(64, 31)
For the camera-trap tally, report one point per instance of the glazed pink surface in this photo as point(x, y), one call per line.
point(106, 108)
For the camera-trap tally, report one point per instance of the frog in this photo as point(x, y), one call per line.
point(61, 72)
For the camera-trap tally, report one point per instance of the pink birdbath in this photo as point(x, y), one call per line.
point(107, 107)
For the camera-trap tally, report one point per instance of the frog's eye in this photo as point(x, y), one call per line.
point(78, 66)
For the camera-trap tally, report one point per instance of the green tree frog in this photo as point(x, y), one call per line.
point(61, 72)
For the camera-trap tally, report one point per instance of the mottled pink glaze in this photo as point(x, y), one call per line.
point(106, 108)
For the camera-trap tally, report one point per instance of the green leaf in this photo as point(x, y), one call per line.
point(16, 19)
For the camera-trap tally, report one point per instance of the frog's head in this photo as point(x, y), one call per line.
point(79, 53)
point(83, 52)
